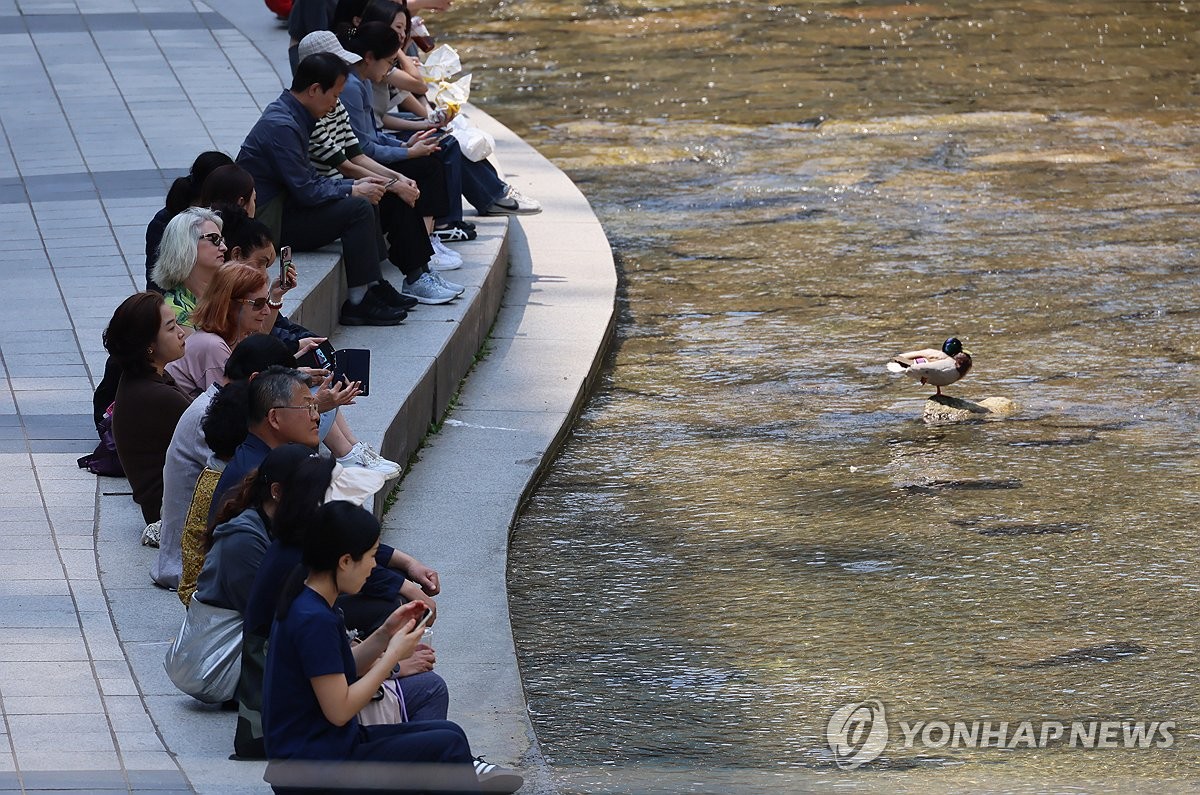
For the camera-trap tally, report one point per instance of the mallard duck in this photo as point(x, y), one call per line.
point(940, 368)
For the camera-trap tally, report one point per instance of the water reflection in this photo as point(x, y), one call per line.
point(751, 526)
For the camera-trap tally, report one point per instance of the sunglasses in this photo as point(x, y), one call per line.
point(214, 238)
point(255, 303)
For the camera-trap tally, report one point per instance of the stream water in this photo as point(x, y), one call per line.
point(751, 526)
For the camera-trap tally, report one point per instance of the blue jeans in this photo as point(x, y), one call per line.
point(477, 182)
point(426, 696)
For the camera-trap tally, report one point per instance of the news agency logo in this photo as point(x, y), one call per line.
point(858, 733)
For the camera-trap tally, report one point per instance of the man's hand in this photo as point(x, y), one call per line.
point(407, 190)
point(425, 577)
point(421, 660)
point(368, 188)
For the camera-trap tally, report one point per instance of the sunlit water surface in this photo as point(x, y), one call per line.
point(751, 525)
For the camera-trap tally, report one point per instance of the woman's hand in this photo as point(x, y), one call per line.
point(402, 623)
point(423, 144)
point(307, 344)
point(279, 287)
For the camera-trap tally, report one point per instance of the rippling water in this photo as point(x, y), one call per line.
point(751, 525)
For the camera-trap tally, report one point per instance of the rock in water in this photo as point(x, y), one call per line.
point(943, 408)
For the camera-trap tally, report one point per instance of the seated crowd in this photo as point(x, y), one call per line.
point(218, 406)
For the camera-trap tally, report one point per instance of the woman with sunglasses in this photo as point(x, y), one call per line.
point(234, 306)
point(190, 254)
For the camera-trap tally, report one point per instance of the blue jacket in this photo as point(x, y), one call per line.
point(276, 155)
point(377, 145)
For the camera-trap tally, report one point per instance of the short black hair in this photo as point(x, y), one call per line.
point(375, 38)
point(320, 68)
point(243, 232)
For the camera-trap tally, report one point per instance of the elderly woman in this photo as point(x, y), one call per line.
point(184, 193)
point(143, 338)
point(191, 252)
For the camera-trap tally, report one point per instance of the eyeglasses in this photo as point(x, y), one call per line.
point(214, 238)
point(255, 303)
point(310, 407)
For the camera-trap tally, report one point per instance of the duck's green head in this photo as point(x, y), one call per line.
point(952, 347)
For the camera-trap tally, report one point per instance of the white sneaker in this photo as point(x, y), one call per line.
point(497, 778)
point(151, 534)
point(449, 285)
point(513, 203)
point(443, 259)
point(427, 291)
point(363, 455)
point(441, 248)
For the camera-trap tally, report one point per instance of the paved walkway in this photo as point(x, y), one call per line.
point(96, 121)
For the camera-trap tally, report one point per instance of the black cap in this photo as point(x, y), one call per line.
point(280, 462)
point(255, 354)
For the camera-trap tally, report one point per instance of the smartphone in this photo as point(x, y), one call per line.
point(428, 614)
point(285, 262)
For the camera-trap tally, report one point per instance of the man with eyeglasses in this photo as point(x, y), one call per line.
point(282, 410)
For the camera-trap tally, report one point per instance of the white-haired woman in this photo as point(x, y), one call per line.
point(190, 254)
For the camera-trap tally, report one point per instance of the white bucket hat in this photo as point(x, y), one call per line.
point(325, 41)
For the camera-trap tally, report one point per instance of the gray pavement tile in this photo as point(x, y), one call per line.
point(83, 780)
point(80, 703)
point(44, 651)
point(39, 732)
point(55, 23)
point(32, 678)
point(80, 446)
point(168, 780)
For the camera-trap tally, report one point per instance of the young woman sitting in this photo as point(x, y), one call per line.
point(229, 188)
point(143, 338)
point(316, 683)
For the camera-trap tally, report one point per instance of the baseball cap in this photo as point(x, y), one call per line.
point(325, 41)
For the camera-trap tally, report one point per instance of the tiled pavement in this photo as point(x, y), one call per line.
point(102, 103)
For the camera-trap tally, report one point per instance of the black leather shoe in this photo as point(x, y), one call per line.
point(389, 295)
point(370, 312)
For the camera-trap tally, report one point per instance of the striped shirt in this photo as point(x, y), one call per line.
point(332, 142)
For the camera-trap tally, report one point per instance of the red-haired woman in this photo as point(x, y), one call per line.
point(234, 306)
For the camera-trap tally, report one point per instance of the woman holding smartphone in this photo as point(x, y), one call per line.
point(316, 684)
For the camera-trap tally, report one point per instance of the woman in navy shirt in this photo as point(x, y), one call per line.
point(316, 684)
